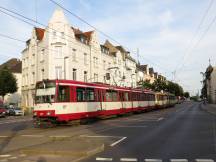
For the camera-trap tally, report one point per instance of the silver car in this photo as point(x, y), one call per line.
point(18, 112)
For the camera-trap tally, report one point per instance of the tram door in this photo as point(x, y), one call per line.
point(121, 97)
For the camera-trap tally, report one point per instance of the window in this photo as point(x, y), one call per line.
point(104, 64)
point(62, 35)
point(85, 76)
point(58, 50)
point(95, 60)
point(33, 77)
point(95, 77)
point(64, 94)
point(74, 74)
point(80, 94)
point(54, 35)
point(85, 59)
point(90, 94)
point(58, 71)
point(126, 97)
point(42, 74)
point(42, 55)
point(111, 95)
point(74, 54)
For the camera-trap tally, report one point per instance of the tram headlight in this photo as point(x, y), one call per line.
point(35, 113)
point(48, 113)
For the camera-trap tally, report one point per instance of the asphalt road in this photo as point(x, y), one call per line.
point(185, 131)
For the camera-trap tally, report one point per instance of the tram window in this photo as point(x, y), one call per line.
point(126, 97)
point(90, 95)
point(108, 95)
point(111, 95)
point(80, 94)
point(114, 96)
point(134, 97)
point(64, 94)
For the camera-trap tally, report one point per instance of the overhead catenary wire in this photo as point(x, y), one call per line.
point(190, 46)
point(37, 22)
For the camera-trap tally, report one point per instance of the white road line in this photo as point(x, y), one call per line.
point(178, 160)
point(22, 155)
point(130, 126)
point(103, 159)
point(204, 160)
point(59, 136)
point(153, 160)
point(32, 135)
point(100, 136)
point(159, 119)
point(115, 143)
point(5, 156)
point(12, 158)
point(4, 136)
point(128, 159)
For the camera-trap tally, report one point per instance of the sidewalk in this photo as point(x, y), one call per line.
point(211, 108)
point(62, 149)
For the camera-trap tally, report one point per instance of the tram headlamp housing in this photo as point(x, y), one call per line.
point(48, 113)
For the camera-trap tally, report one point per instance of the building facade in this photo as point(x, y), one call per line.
point(210, 84)
point(61, 51)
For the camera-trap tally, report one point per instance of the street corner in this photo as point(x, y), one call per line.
point(59, 149)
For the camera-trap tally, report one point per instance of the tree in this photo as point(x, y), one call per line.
point(175, 88)
point(8, 82)
point(159, 85)
point(145, 84)
point(186, 94)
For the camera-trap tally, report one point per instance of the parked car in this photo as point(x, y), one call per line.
point(2, 112)
point(16, 111)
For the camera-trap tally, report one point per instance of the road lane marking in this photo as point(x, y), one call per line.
point(32, 135)
point(159, 119)
point(12, 158)
point(4, 136)
point(59, 136)
point(128, 159)
point(153, 160)
point(22, 155)
point(115, 143)
point(103, 159)
point(5, 156)
point(178, 160)
point(100, 136)
point(204, 160)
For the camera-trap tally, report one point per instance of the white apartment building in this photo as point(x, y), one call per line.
point(210, 82)
point(61, 51)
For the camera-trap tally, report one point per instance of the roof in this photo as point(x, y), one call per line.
point(142, 67)
point(14, 65)
point(39, 33)
point(111, 47)
point(78, 33)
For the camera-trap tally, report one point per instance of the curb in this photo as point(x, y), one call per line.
point(63, 153)
point(203, 108)
point(90, 153)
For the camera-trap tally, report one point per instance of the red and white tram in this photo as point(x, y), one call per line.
point(66, 100)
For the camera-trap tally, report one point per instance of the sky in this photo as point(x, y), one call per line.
point(167, 33)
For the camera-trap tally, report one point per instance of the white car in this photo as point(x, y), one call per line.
point(18, 111)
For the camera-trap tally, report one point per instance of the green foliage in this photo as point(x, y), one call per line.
point(159, 85)
point(167, 86)
point(7, 82)
point(145, 84)
point(186, 94)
